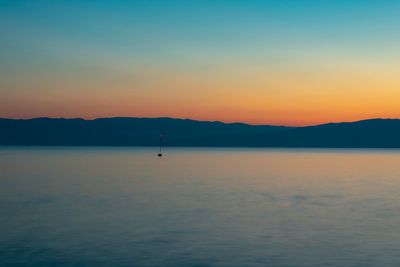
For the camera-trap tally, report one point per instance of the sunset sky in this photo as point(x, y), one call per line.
point(298, 62)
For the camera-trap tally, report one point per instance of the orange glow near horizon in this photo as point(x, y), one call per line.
point(320, 93)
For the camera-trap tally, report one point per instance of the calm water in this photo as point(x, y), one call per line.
point(199, 207)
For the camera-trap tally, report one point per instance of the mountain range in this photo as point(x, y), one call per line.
point(120, 131)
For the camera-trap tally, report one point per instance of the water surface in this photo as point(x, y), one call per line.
point(199, 207)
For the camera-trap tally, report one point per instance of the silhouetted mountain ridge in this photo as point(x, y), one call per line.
point(126, 131)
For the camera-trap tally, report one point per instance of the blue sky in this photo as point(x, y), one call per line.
point(130, 44)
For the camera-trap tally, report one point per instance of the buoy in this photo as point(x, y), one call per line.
point(160, 154)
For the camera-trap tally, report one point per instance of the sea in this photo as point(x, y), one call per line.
point(199, 207)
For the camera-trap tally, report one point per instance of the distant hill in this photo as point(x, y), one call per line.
point(374, 133)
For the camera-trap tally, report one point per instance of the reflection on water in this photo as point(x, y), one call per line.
point(199, 207)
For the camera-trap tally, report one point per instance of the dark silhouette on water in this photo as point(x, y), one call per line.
point(374, 133)
point(160, 154)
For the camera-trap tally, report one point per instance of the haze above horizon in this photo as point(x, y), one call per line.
point(293, 63)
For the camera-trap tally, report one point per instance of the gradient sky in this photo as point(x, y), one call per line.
point(292, 62)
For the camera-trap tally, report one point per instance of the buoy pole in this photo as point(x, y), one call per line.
point(160, 153)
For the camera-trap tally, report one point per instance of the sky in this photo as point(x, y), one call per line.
point(281, 62)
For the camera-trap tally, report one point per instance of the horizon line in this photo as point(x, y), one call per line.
point(177, 118)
